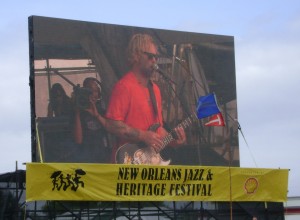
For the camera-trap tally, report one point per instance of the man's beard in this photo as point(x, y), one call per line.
point(148, 71)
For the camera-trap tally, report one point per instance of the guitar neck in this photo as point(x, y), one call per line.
point(184, 124)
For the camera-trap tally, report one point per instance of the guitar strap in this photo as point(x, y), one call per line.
point(152, 97)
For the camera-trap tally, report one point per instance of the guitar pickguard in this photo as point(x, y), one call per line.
point(133, 154)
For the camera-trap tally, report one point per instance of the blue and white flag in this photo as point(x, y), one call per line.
point(207, 106)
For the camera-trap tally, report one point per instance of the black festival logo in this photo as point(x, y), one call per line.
point(65, 181)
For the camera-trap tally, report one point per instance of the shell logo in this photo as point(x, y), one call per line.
point(251, 185)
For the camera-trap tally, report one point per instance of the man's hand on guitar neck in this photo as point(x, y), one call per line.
point(180, 136)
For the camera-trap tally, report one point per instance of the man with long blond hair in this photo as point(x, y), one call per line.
point(135, 105)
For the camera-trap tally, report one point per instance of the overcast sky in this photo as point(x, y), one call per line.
point(267, 52)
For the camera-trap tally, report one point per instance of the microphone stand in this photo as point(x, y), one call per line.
point(164, 75)
point(171, 83)
point(65, 78)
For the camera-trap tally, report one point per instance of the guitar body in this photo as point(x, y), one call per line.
point(134, 154)
point(138, 154)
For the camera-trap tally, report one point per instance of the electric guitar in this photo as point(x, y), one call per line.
point(138, 154)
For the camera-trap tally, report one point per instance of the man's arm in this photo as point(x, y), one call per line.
point(120, 129)
point(77, 128)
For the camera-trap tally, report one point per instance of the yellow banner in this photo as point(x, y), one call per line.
point(116, 182)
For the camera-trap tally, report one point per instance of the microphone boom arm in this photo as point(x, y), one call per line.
point(163, 74)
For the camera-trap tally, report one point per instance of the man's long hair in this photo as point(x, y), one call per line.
point(137, 45)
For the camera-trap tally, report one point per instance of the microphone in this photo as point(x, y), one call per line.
point(162, 73)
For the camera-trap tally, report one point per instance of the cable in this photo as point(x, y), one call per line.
point(240, 129)
point(38, 141)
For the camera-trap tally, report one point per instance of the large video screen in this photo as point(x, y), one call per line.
point(76, 67)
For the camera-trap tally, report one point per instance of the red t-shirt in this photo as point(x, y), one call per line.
point(130, 102)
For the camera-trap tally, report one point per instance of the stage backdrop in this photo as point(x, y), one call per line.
point(63, 53)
